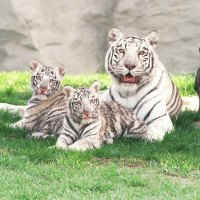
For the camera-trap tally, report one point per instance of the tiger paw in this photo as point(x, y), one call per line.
point(152, 137)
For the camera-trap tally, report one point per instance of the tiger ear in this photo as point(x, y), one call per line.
point(114, 35)
point(95, 86)
point(68, 90)
point(153, 38)
point(61, 70)
point(35, 64)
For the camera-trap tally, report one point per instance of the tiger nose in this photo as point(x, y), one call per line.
point(129, 66)
point(43, 89)
point(86, 113)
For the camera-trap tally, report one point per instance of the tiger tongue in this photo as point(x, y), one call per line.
point(129, 79)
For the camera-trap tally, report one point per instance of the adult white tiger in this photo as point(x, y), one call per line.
point(141, 82)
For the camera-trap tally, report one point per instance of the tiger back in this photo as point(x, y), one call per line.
point(141, 82)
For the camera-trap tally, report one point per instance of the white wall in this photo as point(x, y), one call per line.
point(74, 33)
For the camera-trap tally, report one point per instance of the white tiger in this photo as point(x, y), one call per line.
point(141, 82)
point(45, 111)
point(90, 122)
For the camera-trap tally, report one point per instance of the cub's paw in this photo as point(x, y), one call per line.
point(38, 135)
point(16, 125)
point(108, 141)
point(78, 147)
point(61, 144)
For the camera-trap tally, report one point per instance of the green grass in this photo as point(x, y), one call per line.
point(127, 169)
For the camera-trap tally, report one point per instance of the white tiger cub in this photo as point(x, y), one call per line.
point(46, 109)
point(141, 83)
point(89, 122)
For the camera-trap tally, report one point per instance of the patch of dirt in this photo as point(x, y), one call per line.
point(184, 181)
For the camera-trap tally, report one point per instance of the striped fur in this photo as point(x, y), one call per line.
point(141, 82)
point(90, 122)
point(46, 109)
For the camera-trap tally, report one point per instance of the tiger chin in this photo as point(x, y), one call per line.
point(141, 82)
point(46, 108)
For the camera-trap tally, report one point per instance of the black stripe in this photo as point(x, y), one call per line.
point(69, 136)
point(71, 126)
point(147, 115)
point(172, 95)
point(177, 107)
point(111, 96)
point(155, 88)
point(175, 102)
point(146, 101)
point(148, 123)
point(85, 133)
point(141, 87)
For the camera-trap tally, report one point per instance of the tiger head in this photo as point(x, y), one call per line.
point(45, 80)
point(129, 58)
point(84, 103)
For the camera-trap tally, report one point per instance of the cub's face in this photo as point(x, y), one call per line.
point(45, 80)
point(84, 103)
point(130, 57)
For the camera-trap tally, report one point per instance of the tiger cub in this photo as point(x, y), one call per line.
point(91, 122)
point(46, 108)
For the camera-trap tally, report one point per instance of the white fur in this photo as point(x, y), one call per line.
point(127, 96)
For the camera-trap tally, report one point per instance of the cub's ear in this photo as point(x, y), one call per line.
point(114, 35)
point(35, 64)
point(61, 70)
point(153, 38)
point(68, 90)
point(95, 86)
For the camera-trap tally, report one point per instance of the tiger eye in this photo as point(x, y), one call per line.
point(38, 78)
point(77, 103)
point(92, 100)
point(121, 51)
point(141, 53)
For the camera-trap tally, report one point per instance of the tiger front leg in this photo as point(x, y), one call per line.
point(86, 144)
point(63, 141)
point(158, 128)
point(13, 108)
point(157, 119)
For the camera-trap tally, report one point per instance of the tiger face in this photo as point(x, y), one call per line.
point(45, 80)
point(84, 103)
point(129, 58)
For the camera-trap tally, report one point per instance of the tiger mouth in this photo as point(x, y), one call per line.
point(129, 79)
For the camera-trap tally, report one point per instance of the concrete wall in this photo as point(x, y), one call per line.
point(74, 33)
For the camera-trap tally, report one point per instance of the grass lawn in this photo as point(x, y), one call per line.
point(129, 169)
